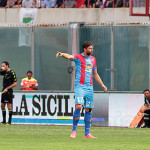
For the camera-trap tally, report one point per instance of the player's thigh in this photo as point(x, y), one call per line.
point(79, 96)
point(7, 97)
point(89, 99)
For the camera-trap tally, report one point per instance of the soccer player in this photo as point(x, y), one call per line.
point(85, 65)
point(9, 81)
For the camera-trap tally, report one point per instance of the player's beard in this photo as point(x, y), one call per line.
point(89, 53)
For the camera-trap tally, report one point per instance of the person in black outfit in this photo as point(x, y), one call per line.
point(146, 109)
point(9, 81)
point(3, 3)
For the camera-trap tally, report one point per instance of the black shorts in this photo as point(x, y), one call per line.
point(7, 97)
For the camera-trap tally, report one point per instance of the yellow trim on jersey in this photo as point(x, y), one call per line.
point(88, 66)
point(32, 79)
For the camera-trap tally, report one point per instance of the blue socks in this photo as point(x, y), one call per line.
point(76, 117)
point(87, 120)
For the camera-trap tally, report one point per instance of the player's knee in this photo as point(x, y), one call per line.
point(88, 109)
point(9, 106)
point(79, 107)
point(2, 106)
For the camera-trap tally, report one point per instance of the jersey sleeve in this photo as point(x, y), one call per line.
point(94, 66)
point(36, 84)
point(14, 77)
point(76, 57)
point(21, 83)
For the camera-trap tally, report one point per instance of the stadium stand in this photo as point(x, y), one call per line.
point(64, 3)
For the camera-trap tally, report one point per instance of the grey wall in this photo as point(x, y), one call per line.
point(66, 15)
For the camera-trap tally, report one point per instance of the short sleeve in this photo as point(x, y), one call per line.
point(21, 83)
point(14, 77)
point(94, 64)
point(75, 57)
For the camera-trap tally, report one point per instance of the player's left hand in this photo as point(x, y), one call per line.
point(105, 88)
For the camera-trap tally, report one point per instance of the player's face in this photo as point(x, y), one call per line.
point(29, 75)
point(89, 50)
point(4, 67)
point(147, 94)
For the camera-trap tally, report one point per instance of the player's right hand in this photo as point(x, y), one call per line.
point(58, 54)
point(105, 88)
point(5, 90)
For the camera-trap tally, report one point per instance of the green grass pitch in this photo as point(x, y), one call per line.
point(29, 137)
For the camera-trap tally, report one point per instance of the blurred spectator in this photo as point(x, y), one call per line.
point(98, 4)
point(70, 4)
point(119, 3)
point(85, 5)
point(3, 3)
point(80, 3)
point(29, 83)
point(59, 4)
point(49, 4)
point(91, 4)
point(142, 3)
point(10, 3)
point(34, 4)
point(139, 3)
point(40, 3)
point(109, 4)
point(126, 3)
point(27, 3)
point(18, 4)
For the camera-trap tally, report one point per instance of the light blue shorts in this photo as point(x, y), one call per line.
point(84, 96)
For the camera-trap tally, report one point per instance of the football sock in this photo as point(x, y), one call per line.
point(87, 121)
point(4, 115)
point(10, 115)
point(76, 117)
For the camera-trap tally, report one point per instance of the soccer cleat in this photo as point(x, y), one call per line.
point(89, 136)
point(73, 134)
point(3, 122)
point(8, 123)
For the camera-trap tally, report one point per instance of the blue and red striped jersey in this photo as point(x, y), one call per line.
point(84, 69)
